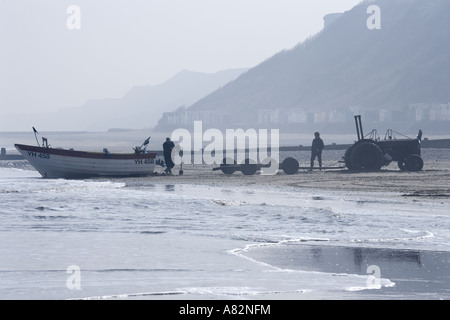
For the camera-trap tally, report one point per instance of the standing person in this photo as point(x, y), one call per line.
point(316, 150)
point(168, 147)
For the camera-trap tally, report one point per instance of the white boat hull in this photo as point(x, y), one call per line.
point(69, 164)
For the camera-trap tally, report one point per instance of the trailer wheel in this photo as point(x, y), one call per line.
point(224, 166)
point(367, 156)
point(249, 168)
point(414, 162)
point(290, 166)
point(269, 166)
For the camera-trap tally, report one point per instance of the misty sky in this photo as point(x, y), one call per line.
point(45, 66)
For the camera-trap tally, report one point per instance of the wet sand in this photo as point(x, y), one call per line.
point(413, 274)
point(416, 274)
point(432, 183)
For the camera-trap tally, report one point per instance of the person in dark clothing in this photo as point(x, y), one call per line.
point(316, 150)
point(167, 147)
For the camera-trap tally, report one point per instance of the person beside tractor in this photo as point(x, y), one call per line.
point(316, 150)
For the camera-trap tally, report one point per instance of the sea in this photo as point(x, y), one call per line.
point(133, 238)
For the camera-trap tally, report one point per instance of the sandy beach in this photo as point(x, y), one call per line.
point(431, 183)
point(409, 248)
point(417, 274)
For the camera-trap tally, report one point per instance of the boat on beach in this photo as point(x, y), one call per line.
point(72, 164)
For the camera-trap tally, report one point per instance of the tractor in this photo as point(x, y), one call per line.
point(371, 153)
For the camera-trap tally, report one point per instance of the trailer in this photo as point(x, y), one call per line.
point(248, 168)
point(289, 166)
point(368, 153)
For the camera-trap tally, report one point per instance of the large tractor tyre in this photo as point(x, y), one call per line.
point(347, 158)
point(290, 166)
point(225, 166)
point(249, 168)
point(367, 156)
point(414, 162)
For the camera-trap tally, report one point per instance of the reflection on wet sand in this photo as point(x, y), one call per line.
point(413, 272)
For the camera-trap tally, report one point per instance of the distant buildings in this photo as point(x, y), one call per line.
point(429, 112)
point(413, 112)
point(288, 116)
point(284, 116)
point(185, 117)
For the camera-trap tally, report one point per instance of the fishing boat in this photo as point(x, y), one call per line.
point(72, 164)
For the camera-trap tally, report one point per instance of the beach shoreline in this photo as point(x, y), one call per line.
point(390, 202)
point(432, 183)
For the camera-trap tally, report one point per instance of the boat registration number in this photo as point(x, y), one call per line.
point(39, 155)
point(144, 161)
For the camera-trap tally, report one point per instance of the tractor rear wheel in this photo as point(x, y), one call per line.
point(366, 156)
